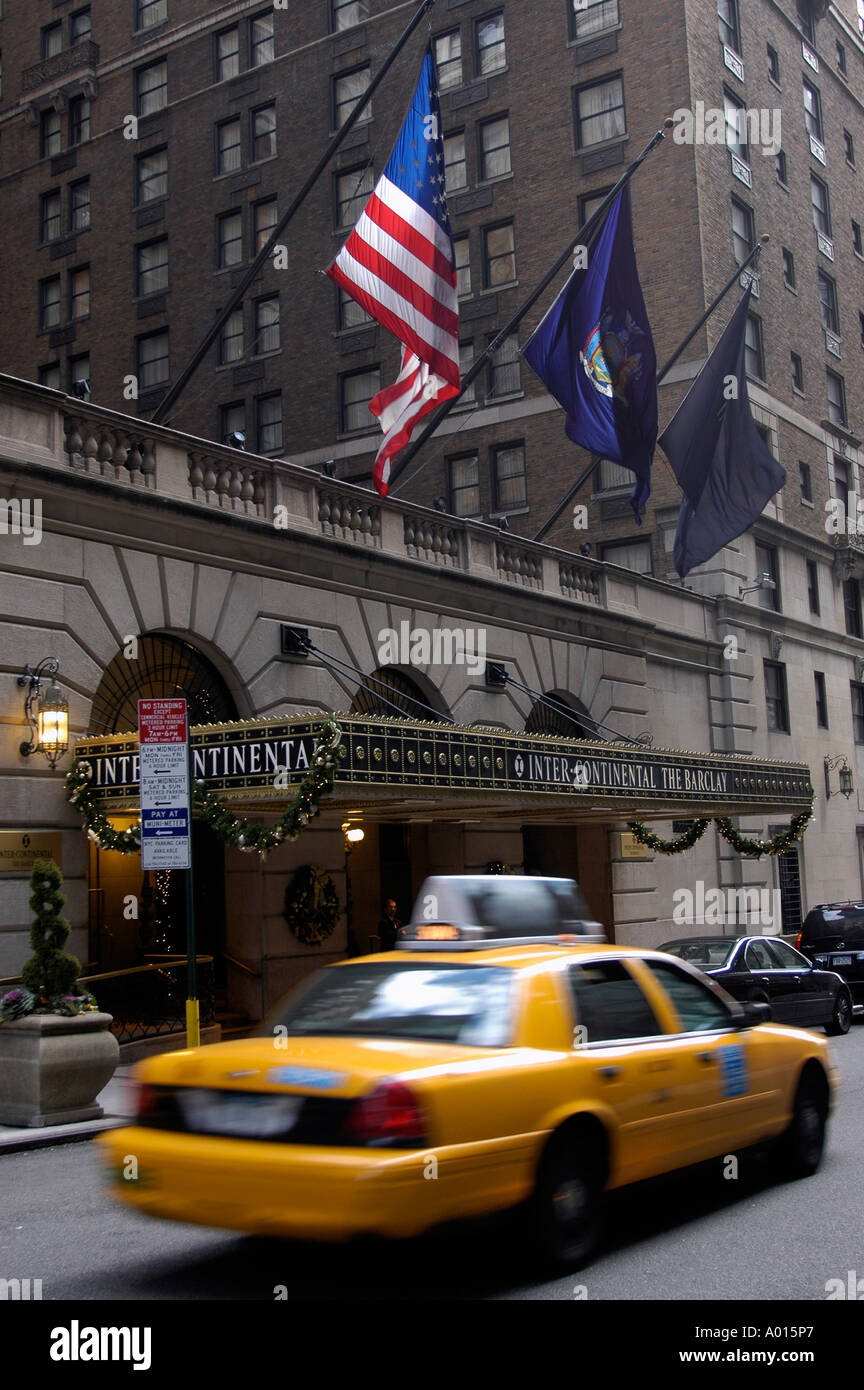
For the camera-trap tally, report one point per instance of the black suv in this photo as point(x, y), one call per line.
point(832, 936)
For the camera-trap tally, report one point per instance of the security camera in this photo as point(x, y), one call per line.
point(236, 439)
point(329, 468)
point(81, 388)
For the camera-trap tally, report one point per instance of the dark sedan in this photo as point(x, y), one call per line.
point(768, 970)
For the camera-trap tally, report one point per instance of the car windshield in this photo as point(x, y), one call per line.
point(441, 1003)
point(708, 952)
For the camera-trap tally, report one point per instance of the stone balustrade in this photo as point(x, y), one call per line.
point(96, 447)
point(518, 565)
point(349, 517)
point(232, 483)
point(436, 542)
point(579, 580)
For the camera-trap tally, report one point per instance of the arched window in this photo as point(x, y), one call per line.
point(390, 692)
point(561, 716)
point(165, 667)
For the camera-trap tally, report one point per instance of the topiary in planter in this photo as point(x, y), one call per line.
point(50, 970)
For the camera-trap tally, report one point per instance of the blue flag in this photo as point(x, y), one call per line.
point(594, 352)
point(726, 471)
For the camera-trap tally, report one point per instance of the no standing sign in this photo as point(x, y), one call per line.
point(164, 773)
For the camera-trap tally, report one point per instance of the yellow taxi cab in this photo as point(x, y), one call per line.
point(482, 1065)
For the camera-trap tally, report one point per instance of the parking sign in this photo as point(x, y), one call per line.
point(164, 780)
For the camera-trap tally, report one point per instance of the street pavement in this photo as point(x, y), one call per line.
point(687, 1237)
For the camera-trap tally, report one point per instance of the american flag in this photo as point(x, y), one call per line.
point(399, 264)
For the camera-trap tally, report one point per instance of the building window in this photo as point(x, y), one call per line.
point(461, 249)
point(228, 146)
point(849, 147)
point(766, 564)
point(736, 126)
point(79, 205)
point(80, 25)
point(351, 314)
point(464, 476)
point(264, 132)
point(79, 292)
point(356, 390)
point(266, 324)
point(509, 478)
point(812, 111)
point(505, 377)
point(788, 269)
point(227, 54)
point(776, 702)
point(49, 132)
point(797, 372)
point(852, 607)
point(589, 203)
point(352, 190)
point(813, 586)
point(151, 176)
point(631, 555)
point(499, 256)
point(821, 205)
point(268, 420)
point(52, 40)
point(261, 41)
point(348, 88)
point(151, 267)
point(49, 303)
point(466, 362)
point(773, 64)
point(612, 475)
point(591, 17)
point(841, 58)
point(805, 482)
point(49, 216)
point(743, 232)
point(754, 355)
point(153, 359)
point(780, 166)
point(857, 711)
point(232, 421)
point(150, 12)
point(805, 19)
point(49, 375)
point(151, 88)
point(455, 166)
point(821, 700)
point(448, 60)
point(727, 21)
point(599, 112)
point(836, 398)
point(495, 148)
point(79, 120)
point(79, 374)
point(344, 14)
point(229, 239)
point(490, 49)
point(856, 237)
point(265, 217)
point(231, 338)
point(842, 485)
point(828, 302)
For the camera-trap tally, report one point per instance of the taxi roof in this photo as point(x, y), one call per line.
point(514, 957)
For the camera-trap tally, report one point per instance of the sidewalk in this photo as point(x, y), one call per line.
point(117, 1101)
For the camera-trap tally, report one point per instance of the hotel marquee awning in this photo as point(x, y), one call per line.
point(398, 769)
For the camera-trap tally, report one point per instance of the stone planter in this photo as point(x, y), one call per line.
point(52, 1068)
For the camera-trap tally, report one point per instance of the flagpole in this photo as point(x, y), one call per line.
point(266, 250)
point(664, 371)
point(444, 409)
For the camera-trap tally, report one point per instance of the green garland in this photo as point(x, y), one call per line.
point(754, 849)
point(311, 905)
point(676, 846)
point(234, 830)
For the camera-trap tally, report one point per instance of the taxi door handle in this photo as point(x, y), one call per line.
point(707, 1057)
point(609, 1073)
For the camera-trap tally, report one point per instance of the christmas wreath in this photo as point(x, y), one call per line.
point(311, 905)
point(234, 830)
point(681, 842)
point(752, 848)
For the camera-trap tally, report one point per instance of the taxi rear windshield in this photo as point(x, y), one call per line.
point(443, 1003)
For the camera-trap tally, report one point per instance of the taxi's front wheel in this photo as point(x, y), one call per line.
point(568, 1205)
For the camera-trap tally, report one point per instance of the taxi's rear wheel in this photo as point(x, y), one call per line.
point(804, 1141)
point(568, 1202)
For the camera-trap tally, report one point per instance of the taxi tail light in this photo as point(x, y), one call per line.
point(146, 1102)
point(391, 1114)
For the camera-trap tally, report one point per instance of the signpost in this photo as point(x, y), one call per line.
point(166, 821)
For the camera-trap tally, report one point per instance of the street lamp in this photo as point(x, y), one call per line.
point(846, 780)
point(49, 724)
